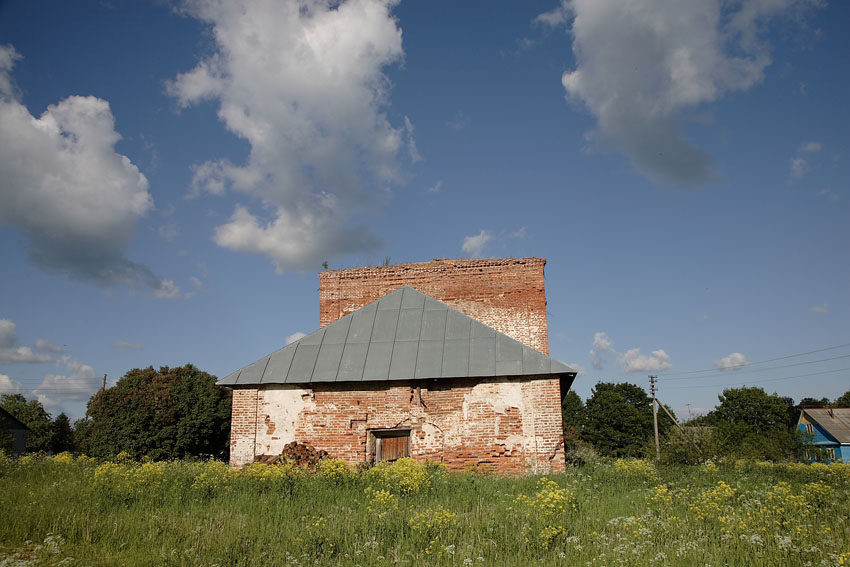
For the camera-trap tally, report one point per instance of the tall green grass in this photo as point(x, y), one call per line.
point(64, 511)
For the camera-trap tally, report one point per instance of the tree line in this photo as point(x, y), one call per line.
point(174, 413)
point(170, 413)
point(617, 420)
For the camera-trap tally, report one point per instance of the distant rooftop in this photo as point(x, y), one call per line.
point(836, 421)
point(405, 335)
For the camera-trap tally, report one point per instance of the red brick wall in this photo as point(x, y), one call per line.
point(506, 294)
point(510, 426)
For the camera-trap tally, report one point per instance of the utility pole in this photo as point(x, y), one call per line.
point(104, 382)
point(655, 416)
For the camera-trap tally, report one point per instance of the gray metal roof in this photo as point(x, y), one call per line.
point(405, 335)
point(836, 421)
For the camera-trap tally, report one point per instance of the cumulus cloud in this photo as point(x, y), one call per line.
point(78, 385)
point(42, 344)
point(303, 83)
point(9, 386)
point(66, 188)
point(11, 352)
point(602, 346)
point(734, 361)
point(295, 336)
point(167, 290)
point(821, 308)
point(642, 64)
point(811, 147)
point(435, 188)
point(474, 245)
point(633, 361)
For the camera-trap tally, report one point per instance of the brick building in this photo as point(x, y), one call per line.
point(444, 360)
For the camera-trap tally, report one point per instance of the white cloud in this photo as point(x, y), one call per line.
point(602, 346)
point(521, 233)
point(734, 361)
point(474, 245)
point(11, 352)
point(633, 361)
point(642, 64)
point(412, 150)
point(799, 167)
point(303, 83)
point(295, 336)
point(811, 147)
point(167, 289)
point(602, 342)
point(296, 236)
point(435, 188)
point(9, 386)
point(124, 345)
point(821, 308)
point(78, 385)
point(66, 188)
point(42, 344)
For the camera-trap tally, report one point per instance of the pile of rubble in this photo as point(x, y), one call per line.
point(298, 453)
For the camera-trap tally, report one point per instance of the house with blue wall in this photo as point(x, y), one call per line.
point(829, 429)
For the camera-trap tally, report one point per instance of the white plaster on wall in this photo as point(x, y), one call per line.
point(282, 407)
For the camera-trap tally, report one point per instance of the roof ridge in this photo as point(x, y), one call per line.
point(481, 360)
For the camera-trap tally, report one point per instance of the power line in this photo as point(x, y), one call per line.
point(758, 381)
point(760, 361)
point(737, 372)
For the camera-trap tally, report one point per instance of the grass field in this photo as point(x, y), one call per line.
point(66, 511)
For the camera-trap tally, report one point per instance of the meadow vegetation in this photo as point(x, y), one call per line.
point(65, 510)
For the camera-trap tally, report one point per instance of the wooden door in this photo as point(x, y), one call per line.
point(395, 447)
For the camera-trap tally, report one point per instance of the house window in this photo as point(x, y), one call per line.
point(810, 429)
point(391, 444)
point(830, 453)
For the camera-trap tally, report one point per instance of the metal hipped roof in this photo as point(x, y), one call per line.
point(402, 336)
point(836, 421)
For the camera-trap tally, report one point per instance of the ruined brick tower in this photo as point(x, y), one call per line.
point(506, 294)
point(444, 360)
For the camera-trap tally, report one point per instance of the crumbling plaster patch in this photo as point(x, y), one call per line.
point(279, 414)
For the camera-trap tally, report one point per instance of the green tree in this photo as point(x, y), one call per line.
point(33, 415)
point(63, 435)
point(82, 427)
point(619, 419)
point(753, 423)
point(166, 414)
point(573, 411)
point(811, 403)
point(843, 401)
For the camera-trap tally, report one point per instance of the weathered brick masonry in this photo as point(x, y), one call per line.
point(506, 294)
point(512, 424)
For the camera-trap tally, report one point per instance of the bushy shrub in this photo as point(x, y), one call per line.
point(403, 476)
point(336, 471)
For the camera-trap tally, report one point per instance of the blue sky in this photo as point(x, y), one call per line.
point(174, 174)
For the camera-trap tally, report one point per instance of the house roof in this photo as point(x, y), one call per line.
point(836, 421)
point(11, 421)
point(405, 335)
